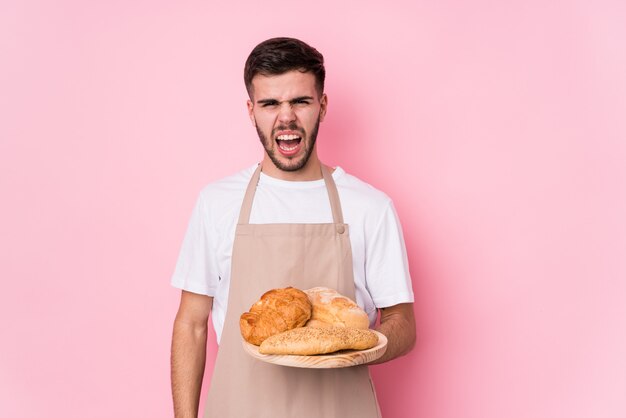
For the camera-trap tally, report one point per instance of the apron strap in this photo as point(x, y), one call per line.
point(246, 206)
point(333, 195)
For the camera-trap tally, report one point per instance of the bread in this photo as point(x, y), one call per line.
point(310, 341)
point(278, 310)
point(331, 309)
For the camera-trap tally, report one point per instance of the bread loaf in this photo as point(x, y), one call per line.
point(278, 310)
point(331, 309)
point(311, 341)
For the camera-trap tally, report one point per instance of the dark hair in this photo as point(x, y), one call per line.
point(280, 55)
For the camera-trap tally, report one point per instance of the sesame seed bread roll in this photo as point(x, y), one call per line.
point(309, 341)
point(331, 309)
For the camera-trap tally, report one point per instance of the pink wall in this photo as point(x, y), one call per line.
point(497, 127)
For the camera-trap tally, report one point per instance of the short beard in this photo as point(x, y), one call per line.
point(299, 164)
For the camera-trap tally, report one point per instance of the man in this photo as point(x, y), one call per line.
point(280, 224)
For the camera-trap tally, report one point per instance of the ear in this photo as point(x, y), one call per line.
point(323, 106)
point(251, 111)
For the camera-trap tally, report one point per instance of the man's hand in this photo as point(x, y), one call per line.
point(189, 352)
point(397, 323)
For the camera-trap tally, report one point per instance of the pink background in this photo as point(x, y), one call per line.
point(497, 128)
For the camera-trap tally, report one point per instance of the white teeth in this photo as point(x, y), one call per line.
point(286, 148)
point(287, 137)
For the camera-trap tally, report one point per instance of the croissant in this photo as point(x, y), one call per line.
point(277, 311)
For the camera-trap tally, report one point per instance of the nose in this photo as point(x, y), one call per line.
point(286, 113)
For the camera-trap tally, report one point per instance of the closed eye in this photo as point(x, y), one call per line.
point(298, 101)
point(301, 101)
point(268, 103)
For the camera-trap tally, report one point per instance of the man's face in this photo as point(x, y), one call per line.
point(286, 110)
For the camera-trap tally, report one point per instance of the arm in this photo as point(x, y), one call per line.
point(189, 352)
point(397, 323)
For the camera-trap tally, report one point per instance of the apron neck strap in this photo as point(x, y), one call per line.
point(333, 195)
point(331, 188)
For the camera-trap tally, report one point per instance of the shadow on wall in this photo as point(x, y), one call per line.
point(341, 138)
point(348, 138)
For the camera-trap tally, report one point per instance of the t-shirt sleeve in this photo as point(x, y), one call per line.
point(386, 268)
point(196, 269)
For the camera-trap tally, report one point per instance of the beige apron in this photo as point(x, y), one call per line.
point(267, 256)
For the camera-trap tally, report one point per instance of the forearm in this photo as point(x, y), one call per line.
point(187, 367)
point(398, 325)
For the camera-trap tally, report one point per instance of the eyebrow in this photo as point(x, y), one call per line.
point(294, 100)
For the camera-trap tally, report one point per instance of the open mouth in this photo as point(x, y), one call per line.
point(288, 144)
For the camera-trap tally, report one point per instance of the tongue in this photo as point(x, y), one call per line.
point(290, 142)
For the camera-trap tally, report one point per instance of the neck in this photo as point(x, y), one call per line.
point(311, 171)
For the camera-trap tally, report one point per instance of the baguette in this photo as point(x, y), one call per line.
point(311, 341)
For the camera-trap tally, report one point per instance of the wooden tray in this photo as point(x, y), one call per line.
point(345, 358)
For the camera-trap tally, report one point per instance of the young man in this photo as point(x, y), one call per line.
point(290, 221)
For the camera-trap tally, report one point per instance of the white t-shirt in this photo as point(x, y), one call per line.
point(381, 273)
